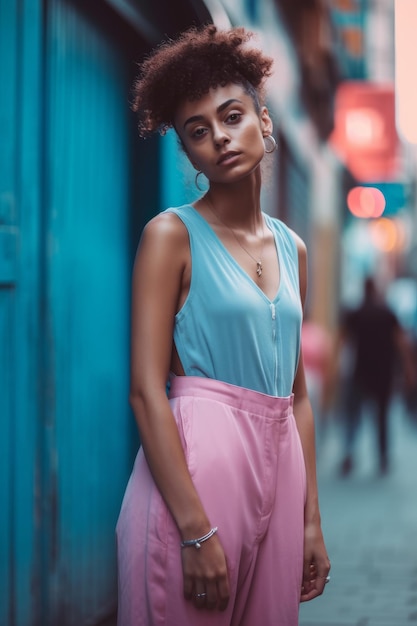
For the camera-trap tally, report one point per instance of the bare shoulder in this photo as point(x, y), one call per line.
point(167, 229)
point(165, 237)
point(163, 251)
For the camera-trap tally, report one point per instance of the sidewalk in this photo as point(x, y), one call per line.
point(370, 527)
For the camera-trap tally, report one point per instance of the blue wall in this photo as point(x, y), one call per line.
point(66, 186)
point(86, 265)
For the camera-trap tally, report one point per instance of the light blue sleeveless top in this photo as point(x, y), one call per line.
point(228, 329)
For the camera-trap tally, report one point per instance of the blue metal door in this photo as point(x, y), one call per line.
point(19, 520)
point(87, 424)
point(67, 437)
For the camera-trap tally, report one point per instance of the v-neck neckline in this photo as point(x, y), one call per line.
point(239, 267)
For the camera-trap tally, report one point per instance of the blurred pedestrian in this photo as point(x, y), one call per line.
point(220, 522)
point(375, 344)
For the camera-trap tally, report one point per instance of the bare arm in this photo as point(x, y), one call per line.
point(316, 561)
point(160, 270)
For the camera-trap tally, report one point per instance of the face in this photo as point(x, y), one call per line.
point(223, 134)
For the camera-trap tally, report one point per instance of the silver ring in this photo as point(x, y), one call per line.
point(200, 595)
point(327, 580)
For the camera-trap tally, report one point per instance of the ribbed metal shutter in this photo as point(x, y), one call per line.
point(87, 271)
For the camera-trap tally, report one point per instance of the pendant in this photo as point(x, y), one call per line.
point(259, 268)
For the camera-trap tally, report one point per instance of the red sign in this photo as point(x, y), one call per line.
point(365, 136)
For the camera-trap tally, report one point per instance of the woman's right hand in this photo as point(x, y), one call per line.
point(205, 572)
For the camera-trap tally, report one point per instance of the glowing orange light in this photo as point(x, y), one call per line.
point(366, 202)
point(384, 234)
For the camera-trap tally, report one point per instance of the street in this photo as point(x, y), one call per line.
point(370, 526)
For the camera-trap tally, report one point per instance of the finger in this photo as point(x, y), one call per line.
point(309, 590)
point(309, 571)
point(309, 575)
point(321, 582)
point(211, 599)
point(200, 597)
point(322, 577)
point(306, 597)
point(188, 588)
point(306, 589)
point(312, 593)
point(315, 589)
point(223, 592)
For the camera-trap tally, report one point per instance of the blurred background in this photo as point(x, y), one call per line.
point(77, 186)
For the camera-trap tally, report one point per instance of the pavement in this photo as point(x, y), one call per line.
point(370, 527)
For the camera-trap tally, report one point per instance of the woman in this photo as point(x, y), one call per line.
point(220, 523)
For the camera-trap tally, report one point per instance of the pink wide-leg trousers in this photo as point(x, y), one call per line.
point(245, 457)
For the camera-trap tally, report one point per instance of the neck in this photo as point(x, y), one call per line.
point(237, 205)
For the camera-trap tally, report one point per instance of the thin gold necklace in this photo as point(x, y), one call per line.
point(259, 265)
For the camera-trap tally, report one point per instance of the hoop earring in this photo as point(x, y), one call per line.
point(272, 144)
point(196, 181)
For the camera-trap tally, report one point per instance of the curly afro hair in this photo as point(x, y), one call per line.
point(188, 67)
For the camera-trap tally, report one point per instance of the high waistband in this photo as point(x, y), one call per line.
point(233, 395)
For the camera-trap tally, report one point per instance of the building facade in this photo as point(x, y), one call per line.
point(76, 187)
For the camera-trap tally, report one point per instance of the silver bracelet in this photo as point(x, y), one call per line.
point(196, 543)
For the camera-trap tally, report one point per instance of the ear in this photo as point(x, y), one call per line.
point(266, 122)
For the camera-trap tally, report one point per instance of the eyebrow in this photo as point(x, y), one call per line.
point(220, 108)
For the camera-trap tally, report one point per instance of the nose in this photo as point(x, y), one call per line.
point(220, 136)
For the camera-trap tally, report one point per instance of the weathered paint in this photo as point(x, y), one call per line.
point(86, 422)
point(67, 436)
point(20, 51)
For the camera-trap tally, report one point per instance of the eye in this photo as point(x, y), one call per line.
point(233, 117)
point(198, 132)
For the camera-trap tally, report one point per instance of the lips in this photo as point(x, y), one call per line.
point(226, 157)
